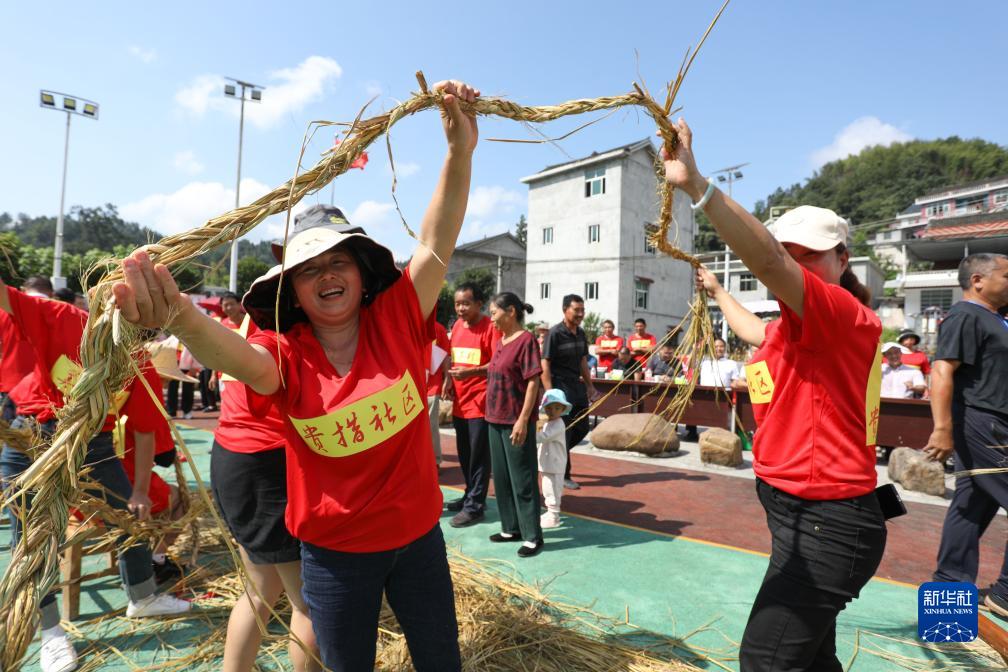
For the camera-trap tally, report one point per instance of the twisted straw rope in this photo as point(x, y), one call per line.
point(108, 341)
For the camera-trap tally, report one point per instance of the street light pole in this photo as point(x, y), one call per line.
point(256, 96)
point(71, 105)
point(57, 273)
point(730, 174)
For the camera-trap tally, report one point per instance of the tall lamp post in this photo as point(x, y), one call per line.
point(71, 105)
point(731, 174)
point(255, 96)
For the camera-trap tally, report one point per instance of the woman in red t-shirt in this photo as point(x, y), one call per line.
point(607, 345)
point(512, 397)
point(814, 384)
point(347, 368)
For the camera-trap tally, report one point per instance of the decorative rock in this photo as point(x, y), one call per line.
point(719, 446)
point(638, 432)
point(445, 413)
point(911, 469)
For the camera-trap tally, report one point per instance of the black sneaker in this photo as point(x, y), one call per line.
point(526, 552)
point(997, 604)
point(499, 538)
point(455, 504)
point(465, 519)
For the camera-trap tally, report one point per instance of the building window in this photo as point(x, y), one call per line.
point(548, 235)
point(938, 209)
point(747, 282)
point(594, 233)
point(1000, 198)
point(544, 290)
point(932, 298)
point(594, 182)
point(641, 289)
point(591, 291)
point(649, 231)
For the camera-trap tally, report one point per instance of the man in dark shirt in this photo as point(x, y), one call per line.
point(969, 404)
point(565, 367)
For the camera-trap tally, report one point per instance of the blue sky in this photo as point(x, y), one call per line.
point(783, 85)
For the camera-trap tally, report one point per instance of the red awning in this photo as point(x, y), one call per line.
point(981, 230)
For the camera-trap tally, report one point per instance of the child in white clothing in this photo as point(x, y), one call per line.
point(553, 454)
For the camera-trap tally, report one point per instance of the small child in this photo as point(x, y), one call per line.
point(553, 454)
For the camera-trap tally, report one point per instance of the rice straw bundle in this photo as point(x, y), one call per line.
point(108, 342)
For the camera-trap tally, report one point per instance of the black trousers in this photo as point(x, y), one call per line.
point(823, 553)
point(208, 397)
point(576, 431)
point(977, 498)
point(472, 440)
point(172, 399)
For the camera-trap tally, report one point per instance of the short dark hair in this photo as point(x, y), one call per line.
point(571, 298)
point(472, 288)
point(640, 320)
point(609, 322)
point(718, 338)
point(980, 263)
point(506, 300)
point(229, 295)
point(39, 283)
point(65, 294)
point(622, 350)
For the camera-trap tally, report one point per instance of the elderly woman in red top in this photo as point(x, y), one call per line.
point(814, 384)
point(347, 371)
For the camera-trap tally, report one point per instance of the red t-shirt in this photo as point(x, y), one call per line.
point(472, 347)
point(918, 360)
point(814, 385)
point(645, 342)
point(360, 465)
point(607, 343)
point(143, 415)
point(18, 360)
point(436, 380)
point(512, 366)
point(248, 423)
point(54, 330)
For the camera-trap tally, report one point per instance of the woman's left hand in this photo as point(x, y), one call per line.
point(460, 128)
point(519, 432)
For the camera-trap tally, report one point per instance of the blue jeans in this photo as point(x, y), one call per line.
point(135, 567)
point(344, 596)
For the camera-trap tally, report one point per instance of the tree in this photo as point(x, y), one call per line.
point(481, 277)
point(249, 268)
point(521, 230)
point(446, 306)
point(592, 325)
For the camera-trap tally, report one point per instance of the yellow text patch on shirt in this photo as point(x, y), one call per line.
point(760, 382)
point(365, 423)
point(64, 374)
point(640, 344)
point(872, 393)
point(470, 356)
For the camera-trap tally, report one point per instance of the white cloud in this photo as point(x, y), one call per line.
point(373, 89)
point(492, 201)
point(860, 133)
point(141, 54)
point(372, 215)
point(403, 169)
point(288, 90)
point(190, 206)
point(187, 162)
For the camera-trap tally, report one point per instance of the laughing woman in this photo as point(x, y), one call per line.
point(346, 372)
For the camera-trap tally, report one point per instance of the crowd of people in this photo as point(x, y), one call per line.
point(325, 459)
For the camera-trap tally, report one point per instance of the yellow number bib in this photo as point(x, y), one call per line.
point(470, 356)
point(760, 382)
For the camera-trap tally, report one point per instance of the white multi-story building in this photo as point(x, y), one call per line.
point(587, 234)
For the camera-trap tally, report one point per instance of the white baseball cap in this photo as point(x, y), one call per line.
point(886, 347)
point(815, 228)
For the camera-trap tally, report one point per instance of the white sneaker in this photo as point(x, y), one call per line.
point(157, 605)
point(571, 484)
point(187, 416)
point(549, 520)
point(58, 655)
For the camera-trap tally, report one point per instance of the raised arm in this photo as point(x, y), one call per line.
point(149, 297)
point(743, 233)
point(441, 223)
point(746, 325)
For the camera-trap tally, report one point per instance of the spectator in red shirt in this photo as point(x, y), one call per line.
point(512, 398)
point(916, 359)
point(814, 454)
point(472, 341)
point(352, 342)
point(641, 343)
point(436, 374)
point(608, 344)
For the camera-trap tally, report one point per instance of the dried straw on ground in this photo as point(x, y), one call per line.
point(108, 343)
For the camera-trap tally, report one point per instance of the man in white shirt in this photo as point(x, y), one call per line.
point(899, 381)
point(719, 373)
